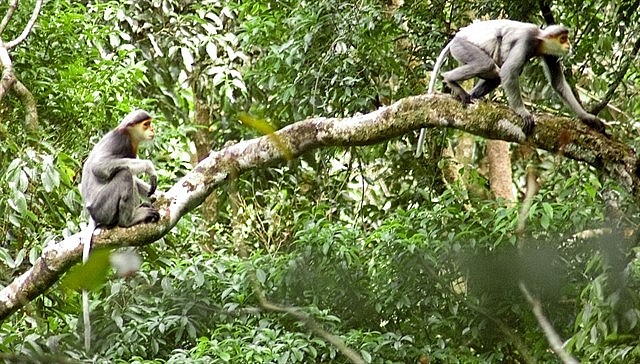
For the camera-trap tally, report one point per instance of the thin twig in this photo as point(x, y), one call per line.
point(620, 73)
point(7, 17)
point(28, 27)
point(502, 326)
point(552, 336)
point(314, 327)
point(296, 312)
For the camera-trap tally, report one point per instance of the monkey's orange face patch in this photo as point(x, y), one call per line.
point(148, 130)
point(143, 131)
point(556, 46)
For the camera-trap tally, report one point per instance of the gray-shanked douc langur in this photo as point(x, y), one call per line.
point(496, 51)
point(110, 187)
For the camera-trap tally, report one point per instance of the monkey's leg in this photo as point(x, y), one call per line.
point(130, 211)
point(475, 63)
point(104, 208)
point(484, 86)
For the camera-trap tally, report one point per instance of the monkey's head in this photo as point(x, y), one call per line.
point(138, 125)
point(554, 41)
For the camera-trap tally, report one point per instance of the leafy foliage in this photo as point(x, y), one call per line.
point(376, 246)
point(316, 64)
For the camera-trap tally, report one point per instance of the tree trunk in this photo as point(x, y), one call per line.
point(500, 170)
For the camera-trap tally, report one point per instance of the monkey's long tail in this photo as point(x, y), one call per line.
point(432, 85)
point(86, 248)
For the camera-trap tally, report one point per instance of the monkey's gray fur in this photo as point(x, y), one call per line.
point(496, 51)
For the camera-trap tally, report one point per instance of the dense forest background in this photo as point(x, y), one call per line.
point(343, 254)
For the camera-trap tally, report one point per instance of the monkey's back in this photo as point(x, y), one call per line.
point(111, 146)
point(485, 34)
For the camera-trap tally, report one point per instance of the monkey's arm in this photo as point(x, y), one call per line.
point(553, 71)
point(107, 169)
point(509, 74)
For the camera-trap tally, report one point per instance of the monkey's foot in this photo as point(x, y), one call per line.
point(596, 124)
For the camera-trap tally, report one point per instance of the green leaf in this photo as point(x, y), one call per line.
point(212, 50)
point(50, 178)
point(18, 202)
point(545, 221)
point(261, 275)
point(90, 275)
point(187, 58)
point(366, 356)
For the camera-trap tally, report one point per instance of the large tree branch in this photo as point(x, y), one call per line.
point(29, 103)
point(8, 78)
point(9, 81)
point(558, 135)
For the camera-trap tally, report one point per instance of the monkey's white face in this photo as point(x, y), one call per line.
point(142, 132)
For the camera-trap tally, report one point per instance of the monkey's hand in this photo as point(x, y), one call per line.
point(529, 121)
point(155, 196)
point(150, 170)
